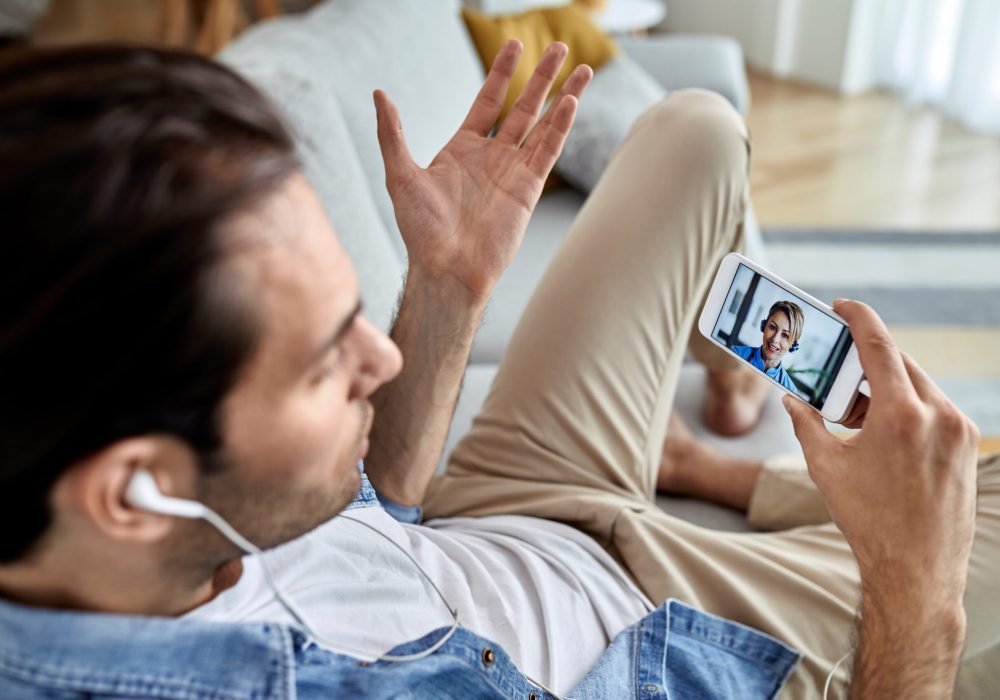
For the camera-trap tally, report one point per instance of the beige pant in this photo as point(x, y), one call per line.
point(573, 427)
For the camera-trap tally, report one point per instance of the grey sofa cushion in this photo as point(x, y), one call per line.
point(546, 230)
point(331, 165)
point(417, 51)
point(620, 91)
point(684, 61)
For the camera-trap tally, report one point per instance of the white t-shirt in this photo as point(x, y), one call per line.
point(545, 592)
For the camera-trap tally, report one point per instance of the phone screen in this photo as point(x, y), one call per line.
point(798, 345)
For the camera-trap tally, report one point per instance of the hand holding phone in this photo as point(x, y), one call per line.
point(902, 490)
point(903, 493)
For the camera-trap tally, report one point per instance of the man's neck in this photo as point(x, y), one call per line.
point(94, 589)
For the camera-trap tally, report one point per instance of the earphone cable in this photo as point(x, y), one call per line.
point(829, 678)
point(250, 548)
point(453, 611)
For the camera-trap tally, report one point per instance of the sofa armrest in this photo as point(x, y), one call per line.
point(686, 61)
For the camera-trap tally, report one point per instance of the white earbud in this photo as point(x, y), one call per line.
point(143, 492)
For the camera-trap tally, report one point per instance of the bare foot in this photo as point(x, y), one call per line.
point(683, 457)
point(734, 400)
point(690, 467)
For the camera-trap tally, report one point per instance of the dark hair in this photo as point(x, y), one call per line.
point(118, 168)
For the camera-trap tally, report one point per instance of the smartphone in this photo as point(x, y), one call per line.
point(796, 342)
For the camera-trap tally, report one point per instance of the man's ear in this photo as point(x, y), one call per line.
point(92, 492)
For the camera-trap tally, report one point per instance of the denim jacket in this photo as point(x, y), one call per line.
point(675, 652)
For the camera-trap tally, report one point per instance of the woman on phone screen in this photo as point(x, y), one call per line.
point(782, 329)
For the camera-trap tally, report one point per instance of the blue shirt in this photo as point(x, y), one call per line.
point(674, 652)
point(754, 357)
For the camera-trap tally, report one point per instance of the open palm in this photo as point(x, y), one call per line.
point(463, 217)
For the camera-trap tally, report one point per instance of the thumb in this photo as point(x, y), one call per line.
point(395, 153)
point(809, 428)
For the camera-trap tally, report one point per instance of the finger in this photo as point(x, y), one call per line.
point(810, 431)
point(577, 81)
point(879, 355)
point(553, 136)
point(856, 418)
point(855, 424)
point(395, 153)
point(575, 84)
point(489, 102)
point(529, 103)
point(926, 389)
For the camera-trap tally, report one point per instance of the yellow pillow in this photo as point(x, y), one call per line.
point(537, 29)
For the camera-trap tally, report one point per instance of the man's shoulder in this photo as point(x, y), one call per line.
point(108, 656)
point(105, 655)
point(53, 654)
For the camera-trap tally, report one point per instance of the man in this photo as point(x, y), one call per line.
point(175, 303)
point(781, 332)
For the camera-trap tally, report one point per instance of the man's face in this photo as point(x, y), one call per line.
point(297, 421)
point(777, 336)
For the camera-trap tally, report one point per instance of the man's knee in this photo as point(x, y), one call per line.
point(698, 134)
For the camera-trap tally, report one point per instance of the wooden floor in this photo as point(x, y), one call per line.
point(821, 159)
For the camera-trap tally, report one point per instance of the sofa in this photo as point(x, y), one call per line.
point(321, 67)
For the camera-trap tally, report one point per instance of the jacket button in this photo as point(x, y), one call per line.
point(488, 657)
point(532, 696)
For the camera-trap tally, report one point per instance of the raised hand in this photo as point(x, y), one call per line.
point(463, 217)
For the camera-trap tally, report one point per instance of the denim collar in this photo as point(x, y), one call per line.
point(147, 656)
point(366, 497)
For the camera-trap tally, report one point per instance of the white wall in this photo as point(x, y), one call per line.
point(751, 22)
point(822, 31)
point(827, 42)
point(861, 62)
